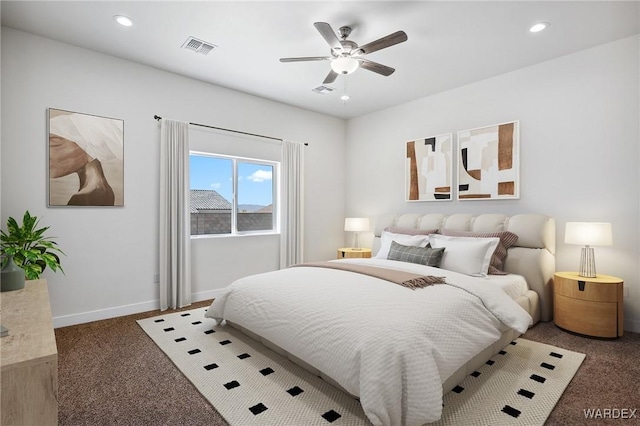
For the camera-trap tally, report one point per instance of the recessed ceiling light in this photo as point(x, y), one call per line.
point(539, 27)
point(123, 20)
point(344, 97)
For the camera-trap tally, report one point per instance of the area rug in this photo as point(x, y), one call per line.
point(250, 384)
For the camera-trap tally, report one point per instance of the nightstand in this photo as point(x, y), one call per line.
point(348, 252)
point(591, 306)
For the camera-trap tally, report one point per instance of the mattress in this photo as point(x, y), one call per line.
point(512, 284)
point(414, 339)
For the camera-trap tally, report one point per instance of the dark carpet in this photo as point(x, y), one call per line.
point(110, 372)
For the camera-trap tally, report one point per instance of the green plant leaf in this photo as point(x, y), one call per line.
point(12, 226)
point(30, 249)
point(9, 251)
point(32, 271)
point(32, 255)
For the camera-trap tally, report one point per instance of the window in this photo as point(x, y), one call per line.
point(232, 195)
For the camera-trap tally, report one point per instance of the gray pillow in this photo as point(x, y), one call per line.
point(421, 255)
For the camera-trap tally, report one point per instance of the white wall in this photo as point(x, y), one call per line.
point(111, 253)
point(579, 118)
point(579, 137)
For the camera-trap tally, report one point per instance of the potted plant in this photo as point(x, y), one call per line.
point(29, 248)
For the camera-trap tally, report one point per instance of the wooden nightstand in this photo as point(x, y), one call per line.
point(347, 252)
point(591, 306)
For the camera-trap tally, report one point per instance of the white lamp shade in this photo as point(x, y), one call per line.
point(356, 224)
point(344, 65)
point(588, 233)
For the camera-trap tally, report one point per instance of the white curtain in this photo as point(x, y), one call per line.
point(175, 256)
point(291, 244)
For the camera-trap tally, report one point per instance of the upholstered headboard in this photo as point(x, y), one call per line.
point(532, 256)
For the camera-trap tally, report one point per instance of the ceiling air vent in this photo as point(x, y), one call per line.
point(198, 46)
point(323, 89)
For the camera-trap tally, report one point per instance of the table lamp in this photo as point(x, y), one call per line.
point(356, 224)
point(588, 234)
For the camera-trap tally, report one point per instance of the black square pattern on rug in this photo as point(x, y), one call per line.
point(526, 393)
point(331, 416)
point(258, 408)
point(295, 391)
point(511, 411)
point(232, 384)
point(266, 371)
point(513, 343)
point(513, 408)
point(200, 350)
point(516, 400)
point(537, 378)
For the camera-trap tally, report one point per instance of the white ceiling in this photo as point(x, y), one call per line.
point(450, 43)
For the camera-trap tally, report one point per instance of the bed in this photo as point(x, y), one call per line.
point(399, 349)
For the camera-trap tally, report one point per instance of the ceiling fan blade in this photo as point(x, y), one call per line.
point(381, 43)
point(305, 59)
point(376, 67)
point(331, 77)
point(329, 35)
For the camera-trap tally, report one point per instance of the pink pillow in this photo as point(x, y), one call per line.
point(507, 239)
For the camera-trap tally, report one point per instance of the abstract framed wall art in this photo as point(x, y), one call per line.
point(489, 162)
point(429, 170)
point(86, 159)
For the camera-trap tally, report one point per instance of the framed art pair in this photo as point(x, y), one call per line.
point(487, 160)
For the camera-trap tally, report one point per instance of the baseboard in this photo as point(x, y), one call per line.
point(206, 295)
point(136, 308)
point(119, 311)
point(632, 325)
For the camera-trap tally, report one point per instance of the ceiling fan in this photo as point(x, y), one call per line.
point(347, 56)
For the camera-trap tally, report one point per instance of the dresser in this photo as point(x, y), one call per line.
point(29, 357)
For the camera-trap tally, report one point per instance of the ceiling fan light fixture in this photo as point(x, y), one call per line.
point(344, 65)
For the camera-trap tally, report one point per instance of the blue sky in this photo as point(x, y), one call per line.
point(254, 180)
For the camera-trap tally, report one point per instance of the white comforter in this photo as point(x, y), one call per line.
point(390, 345)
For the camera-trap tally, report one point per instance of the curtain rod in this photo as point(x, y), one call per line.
point(157, 117)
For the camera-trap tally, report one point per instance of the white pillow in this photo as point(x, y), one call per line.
point(467, 255)
point(407, 240)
